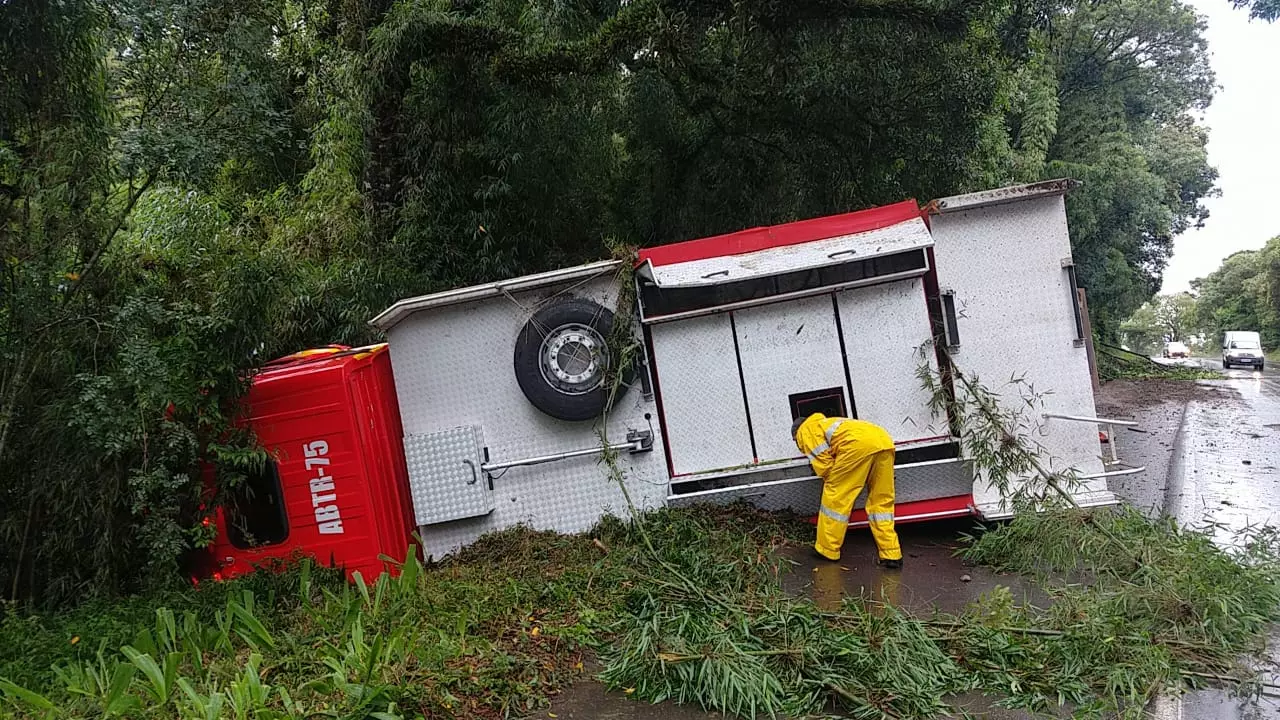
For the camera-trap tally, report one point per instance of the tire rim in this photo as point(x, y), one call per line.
point(573, 359)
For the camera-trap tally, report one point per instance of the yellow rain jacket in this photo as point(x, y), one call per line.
point(848, 454)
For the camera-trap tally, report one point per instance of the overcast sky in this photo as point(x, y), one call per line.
point(1244, 144)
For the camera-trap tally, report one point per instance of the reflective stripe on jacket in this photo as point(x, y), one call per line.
point(825, 440)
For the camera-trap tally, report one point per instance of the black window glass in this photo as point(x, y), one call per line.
point(255, 511)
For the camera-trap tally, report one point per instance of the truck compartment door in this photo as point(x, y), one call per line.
point(702, 405)
point(884, 327)
point(445, 478)
point(787, 349)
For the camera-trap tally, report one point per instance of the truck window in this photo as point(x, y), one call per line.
point(255, 511)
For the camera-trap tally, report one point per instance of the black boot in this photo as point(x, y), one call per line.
point(891, 564)
point(814, 552)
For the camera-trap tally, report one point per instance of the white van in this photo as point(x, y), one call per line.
point(1242, 347)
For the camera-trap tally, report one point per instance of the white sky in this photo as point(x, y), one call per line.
point(1244, 144)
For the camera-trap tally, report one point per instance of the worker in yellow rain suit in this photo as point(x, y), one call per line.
point(848, 454)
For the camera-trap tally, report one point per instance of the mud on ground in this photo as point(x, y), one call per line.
point(1120, 398)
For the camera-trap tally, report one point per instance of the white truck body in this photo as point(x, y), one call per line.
point(737, 334)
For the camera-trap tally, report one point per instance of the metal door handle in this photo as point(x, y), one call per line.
point(475, 477)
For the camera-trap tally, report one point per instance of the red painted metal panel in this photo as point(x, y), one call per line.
point(919, 511)
point(794, 233)
point(330, 420)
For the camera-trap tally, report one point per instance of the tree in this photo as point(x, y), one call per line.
point(1176, 315)
point(1142, 332)
point(1165, 318)
point(1106, 97)
point(1268, 10)
point(131, 304)
point(1242, 294)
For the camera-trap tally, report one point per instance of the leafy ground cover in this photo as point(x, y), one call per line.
point(684, 604)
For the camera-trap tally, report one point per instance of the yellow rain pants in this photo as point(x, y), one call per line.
point(848, 454)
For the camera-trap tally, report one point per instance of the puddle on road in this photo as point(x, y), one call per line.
point(931, 577)
point(588, 700)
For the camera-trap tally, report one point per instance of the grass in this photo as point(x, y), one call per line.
point(700, 618)
point(1126, 621)
point(488, 634)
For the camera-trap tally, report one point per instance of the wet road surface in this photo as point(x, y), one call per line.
point(932, 577)
point(1225, 471)
point(1227, 468)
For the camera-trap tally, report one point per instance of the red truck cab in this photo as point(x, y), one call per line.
point(336, 489)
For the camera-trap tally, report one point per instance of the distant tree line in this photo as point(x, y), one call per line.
point(189, 188)
point(1242, 294)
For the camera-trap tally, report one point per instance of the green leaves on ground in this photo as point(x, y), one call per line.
point(495, 631)
point(1119, 364)
point(1114, 634)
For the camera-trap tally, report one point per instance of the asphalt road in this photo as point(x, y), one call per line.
point(1225, 473)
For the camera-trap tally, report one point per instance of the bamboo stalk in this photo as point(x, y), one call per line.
point(672, 658)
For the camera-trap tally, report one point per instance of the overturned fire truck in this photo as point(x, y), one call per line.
point(487, 406)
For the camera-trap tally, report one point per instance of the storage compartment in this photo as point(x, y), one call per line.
point(704, 414)
point(1005, 256)
point(445, 477)
point(786, 349)
point(884, 328)
point(752, 330)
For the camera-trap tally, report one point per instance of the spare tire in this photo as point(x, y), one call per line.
point(562, 360)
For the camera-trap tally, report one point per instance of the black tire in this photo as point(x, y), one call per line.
point(573, 334)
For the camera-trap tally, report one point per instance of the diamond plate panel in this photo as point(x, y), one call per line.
point(443, 485)
point(802, 493)
point(786, 348)
point(1024, 325)
point(453, 366)
point(705, 418)
point(884, 326)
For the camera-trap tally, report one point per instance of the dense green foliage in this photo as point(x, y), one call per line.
point(188, 188)
point(1268, 10)
point(1242, 294)
point(1105, 100)
point(1164, 318)
point(685, 604)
